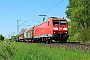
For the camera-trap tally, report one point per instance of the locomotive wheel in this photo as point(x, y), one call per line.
point(40, 40)
point(49, 40)
point(46, 41)
point(37, 41)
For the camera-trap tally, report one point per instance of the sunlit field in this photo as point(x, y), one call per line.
point(25, 51)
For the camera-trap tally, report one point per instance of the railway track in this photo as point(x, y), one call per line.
point(68, 45)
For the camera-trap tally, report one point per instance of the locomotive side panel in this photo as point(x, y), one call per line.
point(40, 30)
point(43, 30)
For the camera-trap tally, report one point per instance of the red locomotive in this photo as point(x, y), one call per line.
point(54, 29)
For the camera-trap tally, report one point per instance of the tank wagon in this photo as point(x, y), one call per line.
point(54, 29)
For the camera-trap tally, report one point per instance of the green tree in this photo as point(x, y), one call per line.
point(78, 12)
point(1, 37)
point(15, 38)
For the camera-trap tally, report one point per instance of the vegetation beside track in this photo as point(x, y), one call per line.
point(7, 50)
point(78, 12)
point(25, 51)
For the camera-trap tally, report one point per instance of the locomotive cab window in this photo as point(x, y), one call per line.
point(55, 22)
point(62, 22)
point(48, 23)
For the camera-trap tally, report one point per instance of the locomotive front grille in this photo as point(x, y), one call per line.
point(60, 36)
point(57, 35)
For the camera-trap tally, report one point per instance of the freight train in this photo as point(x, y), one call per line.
point(54, 29)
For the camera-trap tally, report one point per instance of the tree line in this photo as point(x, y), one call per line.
point(78, 11)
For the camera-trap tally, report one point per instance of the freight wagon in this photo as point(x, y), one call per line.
point(26, 36)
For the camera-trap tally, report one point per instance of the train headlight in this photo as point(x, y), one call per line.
point(54, 32)
point(66, 32)
point(65, 29)
point(55, 28)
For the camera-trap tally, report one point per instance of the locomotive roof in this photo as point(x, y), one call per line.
point(56, 18)
point(52, 18)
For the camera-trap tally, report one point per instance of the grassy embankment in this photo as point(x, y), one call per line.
point(35, 52)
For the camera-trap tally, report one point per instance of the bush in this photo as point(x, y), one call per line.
point(1, 37)
point(85, 35)
point(7, 50)
point(79, 35)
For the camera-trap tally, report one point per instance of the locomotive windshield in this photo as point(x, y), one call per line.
point(59, 22)
point(62, 22)
point(55, 22)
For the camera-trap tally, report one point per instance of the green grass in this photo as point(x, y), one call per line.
point(7, 50)
point(35, 52)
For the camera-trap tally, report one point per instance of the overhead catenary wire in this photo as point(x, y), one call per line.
point(50, 5)
point(54, 6)
point(44, 9)
point(50, 9)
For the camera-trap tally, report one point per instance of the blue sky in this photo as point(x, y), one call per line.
point(27, 10)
